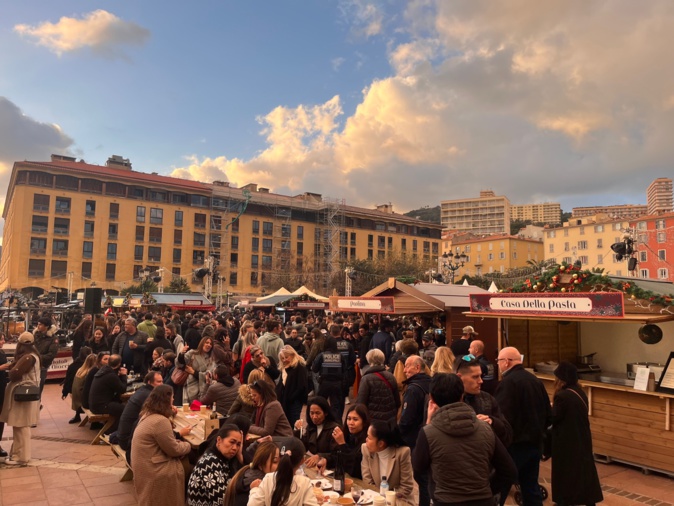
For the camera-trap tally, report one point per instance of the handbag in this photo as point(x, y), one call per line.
point(179, 377)
point(26, 393)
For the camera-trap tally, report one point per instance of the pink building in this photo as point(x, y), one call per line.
point(655, 246)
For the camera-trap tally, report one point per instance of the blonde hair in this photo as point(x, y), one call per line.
point(290, 351)
point(86, 367)
point(444, 361)
point(257, 375)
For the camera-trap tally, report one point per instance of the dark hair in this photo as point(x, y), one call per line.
point(387, 432)
point(461, 364)
point(361, 411)
point(225, 430)
point(222, 371)
point(263, 453)
point(330, 344)
point(241, 421)
point(160, 333)
point(200, 348)
point(45, 320)
point(272, 324)
point(169, 355)
point(265, 389)
point(409, 347)
point(115, 361)
point(171, 327)
point(325, 407)
point(149, 377)
point(100, 356)
point(446, 388)
point(158, 402)
point(335, 330)
point(85, 351)
point(193, 323)
point(148, 316)
point(285, 473)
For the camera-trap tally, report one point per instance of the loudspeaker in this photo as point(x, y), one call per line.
point(92, 300)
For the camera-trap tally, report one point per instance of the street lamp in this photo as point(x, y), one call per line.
point(452, 262)
point(350, 276)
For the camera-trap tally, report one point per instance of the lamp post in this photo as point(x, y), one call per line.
point(348, 286)
point(144, 275)
point(452, 262)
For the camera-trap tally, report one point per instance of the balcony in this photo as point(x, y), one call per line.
point(38, 251)
point(39, 230)
point(36, 274)
point(155, 239)
point(40, 208)
point(114, 216)
point(60, 253)
point(61, 231)
point(88, 233)
point(62, 210)
point(112, 237)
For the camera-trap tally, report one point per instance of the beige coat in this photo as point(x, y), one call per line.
point(155, 458)
point(400, 478)
point(22, 414)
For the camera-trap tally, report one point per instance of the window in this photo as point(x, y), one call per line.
point(501, 255)
point(114, 211)
point(88, 229)
point(389, 242)
point(90, 208)
point(38, 245)
point(659, 224)
point(584, 260)
point(266, 261)
point(112, 251)
point(353, 239)
point(177, 255)
point(199, 220)
point(641, 225)
point(599, 228)
point(140, 214)
point(40, 224)
point(233, 260)
point(179, 198)
point(300, 232)
point(566, 232)
point(663, 273)
point(435, 248)
point(234, 243)
point(177, 237)
point(369, 254)
point(514, 255)
point(582, 244)
point(300, 248)
point(566, 246)
point(112, 231)
point(343, 237)
point(154, 254)
point(233, 278)
point(136, 271)
point(138, 253)
point(581, 230)
point(381, 242)
point(199, 201)
point(235, 225)
point(110, 272)
point(662, 255)
point(285, 246)
point(60, 247)
point(403, 244)
point(140, 233)
point(267, 245)
point(158, 196)
point(285, 230)
point(156, 216)
point(370, 240)
point(175, 271)
point(58, 268)
point(62, 205)
point(198, 256)
point(567, 260)
point(178, 218)
point(256, 244)
point(600, 259)
point(414, 245)
point(381, 254)
point(491, 246)
point(267, 228)
point(551, 248)
point(643, 273)
point(662, 237)
point(600, 243)
point(41, 203)
point(216, 222)
point(642, 256)
point(199, 239)
point(155, 234)
point(61, 226)
point(36, 268)
point(86, 270)
point(254, 261)
point(300, 263)
point(87, 249)
point(253, 279)
point(551, 234)
point(256, 227)
point(490, 256)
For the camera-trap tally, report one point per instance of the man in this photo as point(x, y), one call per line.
point(295, 341)
point(258, 360)
point(222, 390)
point(131, 413)
point(130, 345)
point(383, 340)
point(429, 347)
point(107, 388)
point(47, 344)
point(526, 405)
point(364, 338)
point(485, 406)
point(299, 327)
point(148, 326)
point(461, 346)
point(345, 348)
point(488, 374)
point(459, 450)
point(271, 342)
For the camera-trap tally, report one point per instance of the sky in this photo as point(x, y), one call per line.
point(372, 101)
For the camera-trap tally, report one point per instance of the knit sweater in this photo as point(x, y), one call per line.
point(208, 482)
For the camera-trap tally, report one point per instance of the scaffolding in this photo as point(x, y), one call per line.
point(330, 222)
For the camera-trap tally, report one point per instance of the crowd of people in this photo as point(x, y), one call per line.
point(426, 415)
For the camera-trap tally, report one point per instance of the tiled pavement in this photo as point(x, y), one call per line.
point(66, 470)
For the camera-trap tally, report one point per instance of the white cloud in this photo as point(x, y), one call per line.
point(337, 63)
point(366, 17)
point(100, 31)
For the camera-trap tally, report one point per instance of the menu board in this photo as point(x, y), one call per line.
point(667, 377)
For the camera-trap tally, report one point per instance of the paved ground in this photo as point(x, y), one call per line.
point(66, 470)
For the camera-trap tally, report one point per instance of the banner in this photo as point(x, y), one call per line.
point(578, 305)
point(362, 304)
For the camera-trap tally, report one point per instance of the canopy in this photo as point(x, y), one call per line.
point(280, 291)
point(303, 290)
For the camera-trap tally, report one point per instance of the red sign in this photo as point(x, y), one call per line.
point(578, 305)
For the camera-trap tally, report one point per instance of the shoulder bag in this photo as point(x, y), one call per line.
point(26, 393)
point(179, 376)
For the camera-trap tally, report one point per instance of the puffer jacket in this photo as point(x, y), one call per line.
point(381, 401)
point(244, 403)
point(48, 345)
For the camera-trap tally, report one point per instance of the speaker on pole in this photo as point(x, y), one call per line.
point(92, 300)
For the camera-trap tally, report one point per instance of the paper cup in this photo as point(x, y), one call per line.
point(390, 498)
point(203, 409)
point(186, 407)
point(347, 485)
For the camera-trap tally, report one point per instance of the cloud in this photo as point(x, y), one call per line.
point(566, 101)
point(366, 17)
point(100, 31)
point(337, 63)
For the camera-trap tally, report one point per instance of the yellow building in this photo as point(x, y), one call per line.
point(487, 214)
point(496, 253)
point(587, 240)
point(72, 225)
point(546, 212)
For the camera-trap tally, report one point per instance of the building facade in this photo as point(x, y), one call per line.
point(487, 214)
point(655, 246)
point(546, 212)
point(659, 196)
point(626, 211)
point(73, 225)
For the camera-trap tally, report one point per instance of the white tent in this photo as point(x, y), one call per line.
point(302, 290)
point(280, 291)
point(492, 288)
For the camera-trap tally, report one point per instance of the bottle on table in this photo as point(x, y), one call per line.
point(383, 486)
point(338, 477)
point(214, 412)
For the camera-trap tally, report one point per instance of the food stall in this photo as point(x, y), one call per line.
point(566, 317)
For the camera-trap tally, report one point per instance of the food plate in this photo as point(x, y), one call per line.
point(366, 498)
point(329, 495)
point(325, 484)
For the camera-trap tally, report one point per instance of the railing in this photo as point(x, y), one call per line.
point(40, 208)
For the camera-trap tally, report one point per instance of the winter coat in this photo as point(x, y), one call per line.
point(352, 455)
point(322, 445)
point(70, 376)
point(209, 479)
point(270, 420)
point(131, 414)
point(140, 338)
point(223, 393)
point(270, 344)
point(196, 383)
point(292, 387)
point(412, 417)
point(86, 388)
point(48, 346)
point(107, 387)
point(244, 403)
point(399, 476)
point(381, 401)
point(158, 474)
point(454, 433)
point(485, 404)
point(301, 492)
point(77, 393)
point(22, 414)
point(243, 485)
point(383, 341)
point(574, 474)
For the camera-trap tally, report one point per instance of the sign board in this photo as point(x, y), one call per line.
point(362, 304)
point(192, 302)
point(308, 305)
point(578, 305)
point(134, 303)
point(59, 366)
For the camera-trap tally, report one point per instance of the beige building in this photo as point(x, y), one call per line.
point(546, 212)
point(487, 214)
point(589, 241)
point(72, 225)
point(625, 211)
point(659, 196)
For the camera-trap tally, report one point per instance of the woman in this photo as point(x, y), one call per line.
point(24, 371)
point(383, 455)
point(158, 360)
point(192, 336)
point(316, 431)
point(378, 389)
point(176, 340)
point(156, 453)
point(81, 335)
point(244, 402)
point(116, 330)
point(78, 385)
point(243, 351)
point(4, 365)
point(197, 363)
point(265, 461)
point(85, 351)
point(268, 418)
point(285, 487)
point(292, 390)
point(443, 362)
point(98, 342)
point(210, 477)
point(101, 361)
point(574, 475)
point(357, 421)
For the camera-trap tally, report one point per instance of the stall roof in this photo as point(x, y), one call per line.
point(408, 300)
point(280, 291)
point(451, 295)
point(628, 318)
point(272, 301)
point(652, 285)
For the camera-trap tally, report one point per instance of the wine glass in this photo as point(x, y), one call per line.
point(356, 493)
point(320, 466)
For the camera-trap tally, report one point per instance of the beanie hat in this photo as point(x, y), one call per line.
point(567, 372)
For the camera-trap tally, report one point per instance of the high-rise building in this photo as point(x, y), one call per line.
point(72, 225)
point(659, 196)
point(546, 212)
point(487, 214)
point(624, 211)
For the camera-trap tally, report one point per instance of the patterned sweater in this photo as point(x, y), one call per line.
point(209, 480)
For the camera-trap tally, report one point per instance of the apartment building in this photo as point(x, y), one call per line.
point(655, 246)
point(487, 214)
point(496, 253)
point(546, 212)
point(625, 211)
point(589, 241)
point(72, 225)
point(659, 196)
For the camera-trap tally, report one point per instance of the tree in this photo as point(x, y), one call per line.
point(178, 285)
point(147, 286)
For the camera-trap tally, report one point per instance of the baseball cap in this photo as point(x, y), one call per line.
point(26, 338)
point(469, 330)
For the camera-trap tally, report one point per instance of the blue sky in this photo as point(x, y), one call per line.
point(429, 100)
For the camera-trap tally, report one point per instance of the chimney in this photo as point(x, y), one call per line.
point(221, 183)
point(385, 208)
point(263, 190)
point(63, 158)
point(251, 187)
point(117, 162)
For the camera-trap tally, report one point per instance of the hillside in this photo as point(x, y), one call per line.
point(426, 213)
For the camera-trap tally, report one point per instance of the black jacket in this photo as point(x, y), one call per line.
point(485, 404)
point(107, 387)
point(129, 418)
point(352, 454)
point(87, 386)
point(295, 389)
point(70, 376)
point(48, 346)
point(413, 417)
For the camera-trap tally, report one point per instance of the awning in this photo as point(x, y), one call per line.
point(188, 307)
point(407, 299)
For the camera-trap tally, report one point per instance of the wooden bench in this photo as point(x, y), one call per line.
point(108, 420)
point(119, 452)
